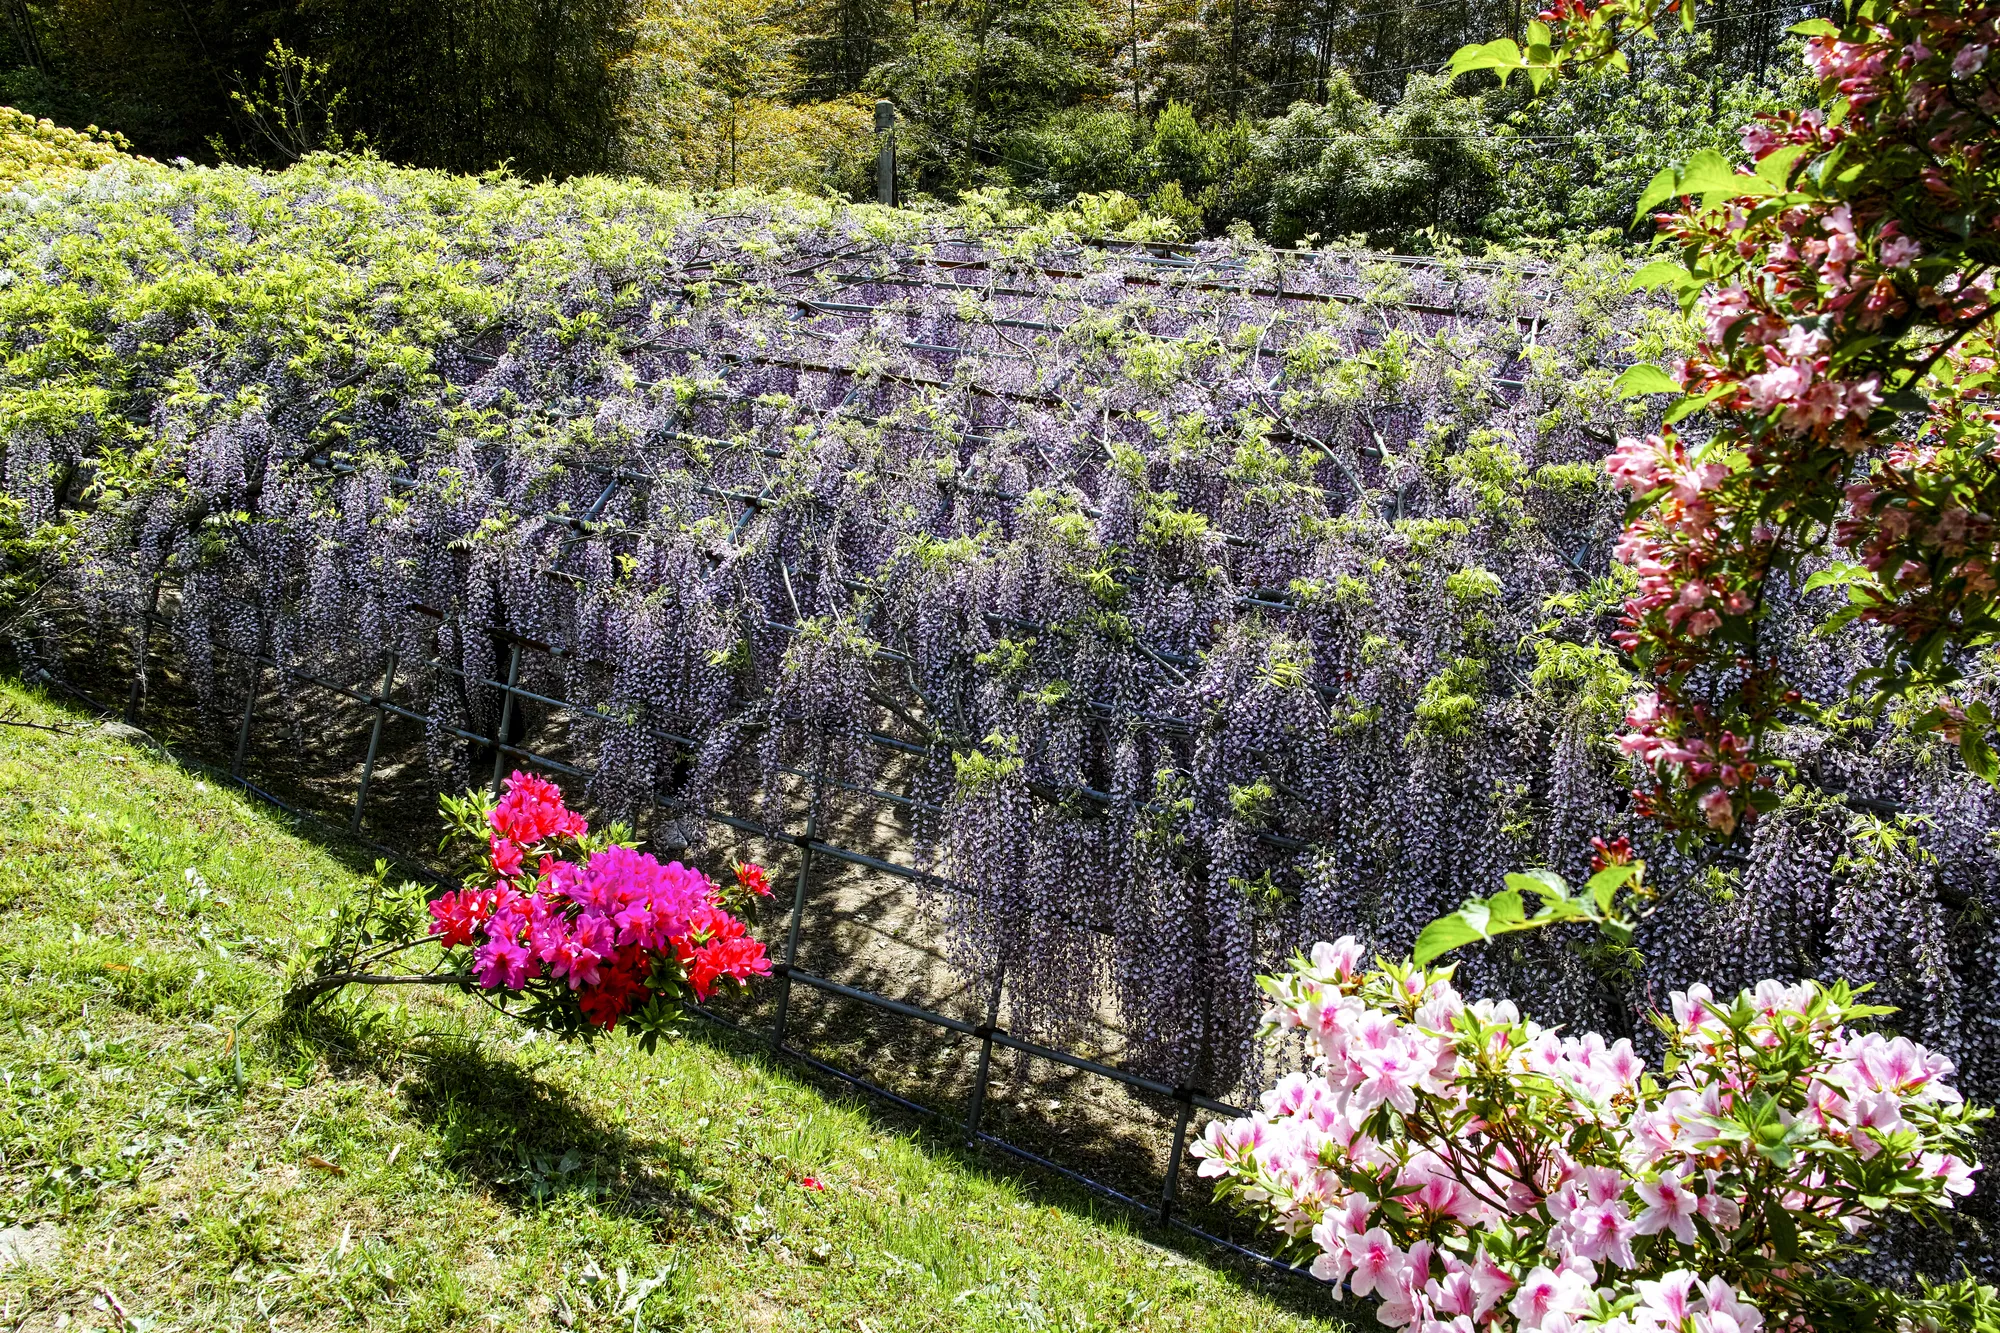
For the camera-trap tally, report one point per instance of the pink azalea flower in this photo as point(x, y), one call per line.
point(503, 961)
point(1339, 960)
point(1669, 1303)
point(1900, 252)
point(1957, 1175)
point(1376, 1262)
point(1547, 1299)
point(1670, 1206)
point(1727, 1312)
point(1601, 1231)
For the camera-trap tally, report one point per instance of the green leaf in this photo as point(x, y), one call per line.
point(1502, 55)
point(1690, 405)
point(1705, 172)
point(1657, 274)
point(1604, 885)
point(1839, 575)
point(1658, 192)
point(1815, 28)
point(1442, 936)
point(1479, 919)
point(1544, 884)
point(1644, 379)
point(1776, 166)
point(1978, 755)
point(1784, 1232)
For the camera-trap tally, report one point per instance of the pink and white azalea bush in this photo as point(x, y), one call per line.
point(1472, 1170)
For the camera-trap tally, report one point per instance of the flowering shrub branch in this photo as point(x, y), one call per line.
point(1844, 289)
point(1472, 1170)
point(570, 931)
point(1613, 900)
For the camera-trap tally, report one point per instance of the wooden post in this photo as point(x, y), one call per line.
point(798, 906)
point(145, 637)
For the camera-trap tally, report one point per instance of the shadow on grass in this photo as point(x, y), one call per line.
point(503, 1130)
point(943, 1139)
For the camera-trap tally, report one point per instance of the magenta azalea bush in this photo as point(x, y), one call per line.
point(1470, 1169)
point(585, 930)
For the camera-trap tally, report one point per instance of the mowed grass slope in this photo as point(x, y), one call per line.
point(416, 1162)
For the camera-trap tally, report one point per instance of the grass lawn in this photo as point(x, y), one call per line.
point(416, 1162)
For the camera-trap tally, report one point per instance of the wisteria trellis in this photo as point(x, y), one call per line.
point(1197, 602)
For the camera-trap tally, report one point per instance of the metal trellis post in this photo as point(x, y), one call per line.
point(1168, 1190)
point(977, 1105)
point(249, 711)
point(144, 633)
point(374, 741)
point(798, 911)
point(506, 717)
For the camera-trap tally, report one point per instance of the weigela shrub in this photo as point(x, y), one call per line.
point(1472, 1170)
point(1847, 369)
point(589, 932)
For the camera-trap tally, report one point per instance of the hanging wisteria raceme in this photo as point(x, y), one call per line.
point(1195, 603)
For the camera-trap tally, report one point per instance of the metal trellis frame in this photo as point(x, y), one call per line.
point(787, 972)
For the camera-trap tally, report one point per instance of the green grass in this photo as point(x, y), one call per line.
point(413, 1161)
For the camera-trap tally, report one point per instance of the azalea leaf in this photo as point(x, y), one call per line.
point(1784, 1232)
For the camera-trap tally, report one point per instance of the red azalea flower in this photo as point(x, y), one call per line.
point(619, 988)
point(754, 878)
point(457, 915)
point(738, 958)
point(533, 810)
point(506, 856)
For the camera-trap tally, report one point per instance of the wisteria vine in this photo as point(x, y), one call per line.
point(1194, 603)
